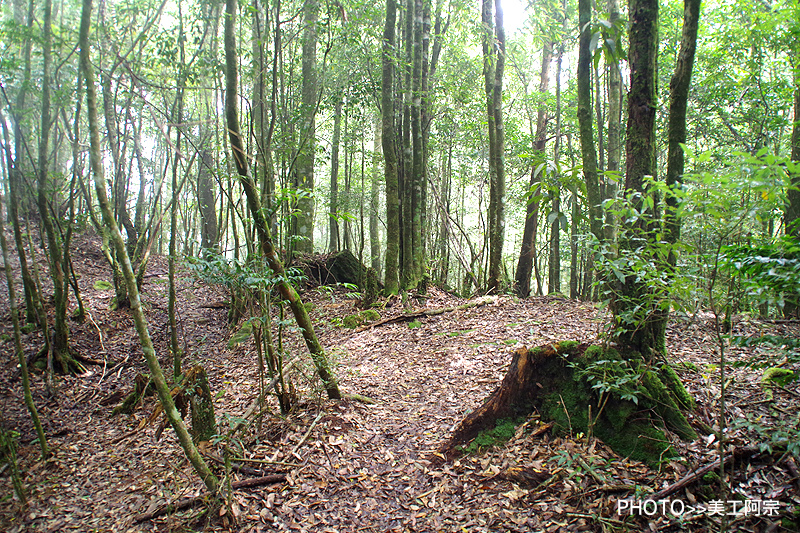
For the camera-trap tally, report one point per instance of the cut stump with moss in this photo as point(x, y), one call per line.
point(551, 381)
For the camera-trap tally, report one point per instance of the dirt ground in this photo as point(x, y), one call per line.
point(351, 466)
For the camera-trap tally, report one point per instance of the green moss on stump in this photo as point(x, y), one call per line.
point(626, 427)
point(501, 433)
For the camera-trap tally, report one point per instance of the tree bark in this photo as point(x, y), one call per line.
point(527, 252)
point(676, 126)
point(374, 202)
point(60, 332)
point(333, 234)
point(792, 212)
point(588, 149)
point(614, 119)
point(497, 193)
point(388, 141)
point(304, 221)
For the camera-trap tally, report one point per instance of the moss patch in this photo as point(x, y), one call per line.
point(501, 433)
point(363, 317)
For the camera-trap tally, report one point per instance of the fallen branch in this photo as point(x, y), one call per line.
point(186, 503)
point(739, 453)
point(427, 312)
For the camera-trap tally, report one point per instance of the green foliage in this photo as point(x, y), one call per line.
point(778, 376)
point(414, 324)
point(619, 377)
point(8, 455)
point(770, 273)
point(780, 432)
point(351, 321)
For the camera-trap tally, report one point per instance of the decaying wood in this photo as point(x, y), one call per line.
point(187, 503)
point(427, 312)
point(335, 267)
point(531, 373)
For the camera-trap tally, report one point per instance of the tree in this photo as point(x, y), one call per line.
point(493, 68)
point(60, 333)
point(388, 141)
point(527, 254)
point(304, 177)
point(588, 150)
point(792, 211)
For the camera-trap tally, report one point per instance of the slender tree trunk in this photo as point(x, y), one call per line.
point(497, 194)
point(140, 322)
point(554, 262)
point(333, 234)
point(254, 202)
point(614, 119)
point(60, 332)
point(676, 127)
point(388, 140)
point(374, 202)
point(588, 150)
point(304, 221)
point(20, 352)
point(527, 253)
point(792, 214)
point(642, 331)
point(177, 120)
point(417, 161)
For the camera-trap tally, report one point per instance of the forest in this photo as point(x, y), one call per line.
point(418, 265)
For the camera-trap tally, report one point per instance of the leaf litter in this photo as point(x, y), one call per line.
point(354, 467)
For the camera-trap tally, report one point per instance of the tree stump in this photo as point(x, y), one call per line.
point(335, 267)
point(548, 380)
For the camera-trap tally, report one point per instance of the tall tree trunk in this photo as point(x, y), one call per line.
point(333, 235)
point(374, 202)
point(676, 127)
point(792, 211)
point(304, 221)
point(522, 276)
point(497, 194)
point(640, 325)
point(490, 65)
point(18, 204)
point(261, 223)
point(60, 332)
point(157, 375)
point(614, 119)
point(417, 162)
point(177, 120)
point(17, 330)
point(554, 261)
point(588, 150)
point(388, 141)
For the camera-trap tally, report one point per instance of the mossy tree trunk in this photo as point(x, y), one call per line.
point(389, 145)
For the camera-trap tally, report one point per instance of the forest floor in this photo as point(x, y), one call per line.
point(352, 466)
